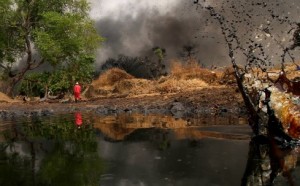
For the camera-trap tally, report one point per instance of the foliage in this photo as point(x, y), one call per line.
point(58, 33)
point(158, 68)
point(34, 84)
point(58, 81)
point(11, 44)
point(159, 52)
point(65, 38)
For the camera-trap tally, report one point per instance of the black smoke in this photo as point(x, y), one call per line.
point(137, 35)
point(259, 31)
point(269, 24)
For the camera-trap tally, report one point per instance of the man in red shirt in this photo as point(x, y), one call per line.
point(77, 90)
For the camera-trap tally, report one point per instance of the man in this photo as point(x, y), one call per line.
point(77, 90)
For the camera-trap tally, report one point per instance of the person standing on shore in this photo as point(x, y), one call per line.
point(77, 91)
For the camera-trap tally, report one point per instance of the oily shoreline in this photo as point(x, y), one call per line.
point(208, 101)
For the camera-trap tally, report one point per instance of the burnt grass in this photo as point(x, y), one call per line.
point(207, 101)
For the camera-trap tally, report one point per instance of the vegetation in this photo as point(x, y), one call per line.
point(136, 66)
point(55, 33)
point(159, 68)
point(150, 67)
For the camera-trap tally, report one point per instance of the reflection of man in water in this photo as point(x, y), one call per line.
point(78, 119)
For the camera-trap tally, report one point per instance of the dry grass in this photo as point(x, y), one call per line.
point(105, 84)
point(182, 78)
point(228, 76)
point(110, 77)
point(273, 73)
point(117, 81)
point(5, 98)
point(172, 85)
point(185, 77)
point(192, 70)
point(134, 86)
point(292, 72)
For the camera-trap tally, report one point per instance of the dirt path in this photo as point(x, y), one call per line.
point(218, 100)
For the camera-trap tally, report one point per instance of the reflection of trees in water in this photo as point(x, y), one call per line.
point(160, 138)
point(267, 161)
point(55, 153)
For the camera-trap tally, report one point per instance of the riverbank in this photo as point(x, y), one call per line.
point(187, 92)
point(214, 100)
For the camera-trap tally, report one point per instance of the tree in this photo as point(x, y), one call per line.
point(58, 33)
point(256, 35)
point(188, 52)
point(59, 81)
point(159, 68)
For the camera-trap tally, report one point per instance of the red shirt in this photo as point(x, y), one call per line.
point(77, 88)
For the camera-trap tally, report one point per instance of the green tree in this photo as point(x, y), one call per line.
point(160, 53)
point(58, 81)
point(158, 69)
point(56, 32)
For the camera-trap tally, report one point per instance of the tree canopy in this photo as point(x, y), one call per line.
point(56, 33)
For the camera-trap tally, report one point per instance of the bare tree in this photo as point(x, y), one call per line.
point(256, 38)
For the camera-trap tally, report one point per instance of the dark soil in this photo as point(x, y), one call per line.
point(208, 101)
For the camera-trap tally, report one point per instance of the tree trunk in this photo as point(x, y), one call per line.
point(12, 85)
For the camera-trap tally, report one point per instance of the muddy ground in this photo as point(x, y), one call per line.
point(225, 100)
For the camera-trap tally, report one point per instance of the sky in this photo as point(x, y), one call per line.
point(134, 27)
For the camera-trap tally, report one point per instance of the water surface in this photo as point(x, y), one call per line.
point(132, 149)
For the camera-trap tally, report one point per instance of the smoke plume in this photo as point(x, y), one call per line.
point(134, 27)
